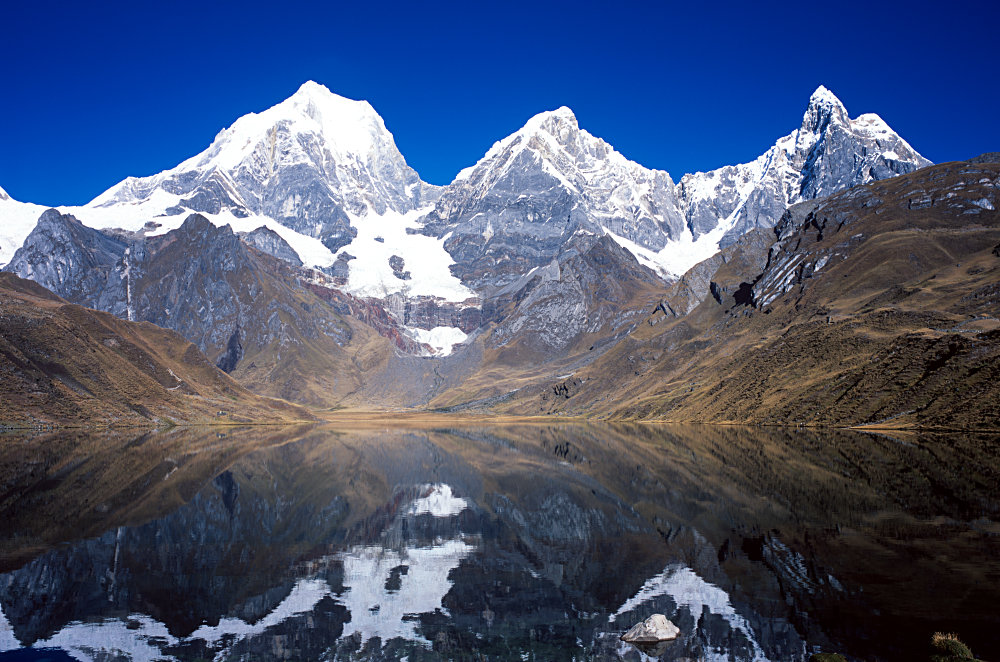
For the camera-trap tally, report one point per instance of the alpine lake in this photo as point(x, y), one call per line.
point(496, 542)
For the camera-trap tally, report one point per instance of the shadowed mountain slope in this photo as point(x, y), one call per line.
point(66, 364)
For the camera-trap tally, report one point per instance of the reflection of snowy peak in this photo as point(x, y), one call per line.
point(383, 608)
point(309, 162)
point(829, 152)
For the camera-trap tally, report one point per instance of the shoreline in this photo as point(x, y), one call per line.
point(416, 418)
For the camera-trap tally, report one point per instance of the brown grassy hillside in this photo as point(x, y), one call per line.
point(64, 364)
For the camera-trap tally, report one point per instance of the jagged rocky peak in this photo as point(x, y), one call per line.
point(829, 152)
point(196, 226)
point(824, 106)
point(988, 157)
point(557, 145)
point(537, 133)
point(311, 162)
point(3, 194)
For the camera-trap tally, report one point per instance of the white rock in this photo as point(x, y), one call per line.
point(654, 629)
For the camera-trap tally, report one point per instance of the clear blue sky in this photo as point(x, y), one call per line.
point(94, 92)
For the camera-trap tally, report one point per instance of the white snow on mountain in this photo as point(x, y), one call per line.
point(324, 173)
point(674, 259)
point(312, 167)
point(827, 153)
point(340, 143)
point(607, 188)
point(379, 238)
point(134, 217)
point(442, 339)
point(17, 220)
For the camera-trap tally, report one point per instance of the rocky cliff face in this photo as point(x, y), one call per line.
point(268, 241)
point(591, 292)
point(199, 280)
point(80, 264)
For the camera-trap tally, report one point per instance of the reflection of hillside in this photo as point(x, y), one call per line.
point(755, 537)
point(74, 484)
point(809, 517)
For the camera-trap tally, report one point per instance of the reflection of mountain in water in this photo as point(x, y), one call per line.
point(384, 588)
point(502, 542)
point(692, 598)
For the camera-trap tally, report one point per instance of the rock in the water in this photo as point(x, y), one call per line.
point(653, 630)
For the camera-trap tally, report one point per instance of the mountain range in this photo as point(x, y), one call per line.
point(305, 258)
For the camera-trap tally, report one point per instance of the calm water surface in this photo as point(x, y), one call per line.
point(506, 543)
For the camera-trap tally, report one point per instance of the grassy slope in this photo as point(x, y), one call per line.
point(66, 364)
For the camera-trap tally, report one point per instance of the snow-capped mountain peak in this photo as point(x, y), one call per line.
point(557, 127)
point(314, 117)
point(560, 123)
point(348, 129)
point(534, 189)
point(323, 172)
point(824, 108)
point(827, 153)
point(3, 195)
point(312, 163)
point(824, 97)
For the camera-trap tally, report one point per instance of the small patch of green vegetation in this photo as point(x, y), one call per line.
point(827, 657)
point(948, 648)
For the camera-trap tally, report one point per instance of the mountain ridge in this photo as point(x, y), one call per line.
point(317, 201)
